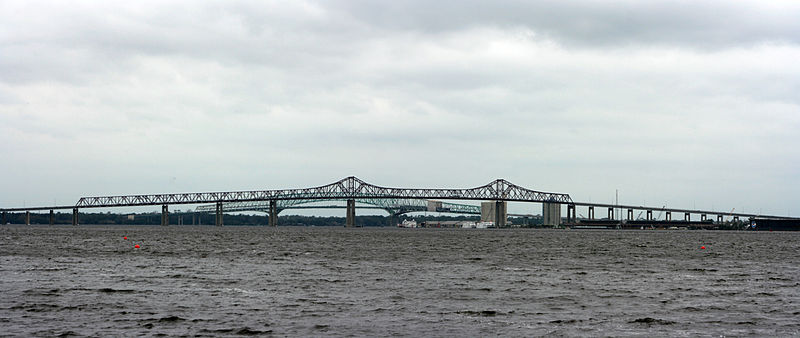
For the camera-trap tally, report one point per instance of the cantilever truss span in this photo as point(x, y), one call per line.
point(393, 206)
point(348, 188)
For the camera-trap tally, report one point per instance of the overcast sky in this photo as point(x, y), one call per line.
point(691, 104)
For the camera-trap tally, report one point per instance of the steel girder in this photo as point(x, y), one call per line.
point(347, 188)
point(392, 206)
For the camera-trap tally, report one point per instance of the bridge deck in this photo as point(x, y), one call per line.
point(352, 188)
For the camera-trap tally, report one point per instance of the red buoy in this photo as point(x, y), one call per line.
point(136, 246)
point(703, 247)
point(124, 237)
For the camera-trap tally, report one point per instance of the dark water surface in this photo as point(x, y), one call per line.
point(412, 282)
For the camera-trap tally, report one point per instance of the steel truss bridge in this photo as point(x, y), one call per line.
point(393, 206)
point(345, 189)
point(352, 189)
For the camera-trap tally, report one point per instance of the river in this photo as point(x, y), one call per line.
point(318, 281)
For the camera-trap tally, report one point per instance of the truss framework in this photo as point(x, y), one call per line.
point(392, 206)
point(347, 188)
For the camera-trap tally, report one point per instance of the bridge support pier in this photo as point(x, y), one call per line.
point(52, 217)
point(75, 216)
point(27, 217)
point(591, 212)
point(719, 218)
point(611, 213)
point(668, 216)
point(551, 214)
point(351, 213)
point(164, 215)
point(571, 217)
point(703, 217)
point(500, 214)
point(630, 214)
point(4, 218)
point(273, 213)
point(649, 215)
point(218, 219)
point(687, 216)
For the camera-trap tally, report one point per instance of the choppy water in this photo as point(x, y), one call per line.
point(376, 282)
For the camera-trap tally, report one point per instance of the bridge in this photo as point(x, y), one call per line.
point(351, 189)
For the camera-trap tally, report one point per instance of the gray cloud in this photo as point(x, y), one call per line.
point(679, 102)
point(705, 24)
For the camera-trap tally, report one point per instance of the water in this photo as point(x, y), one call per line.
point(210, 281)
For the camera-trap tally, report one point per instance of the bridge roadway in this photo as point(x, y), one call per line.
point(352, 188)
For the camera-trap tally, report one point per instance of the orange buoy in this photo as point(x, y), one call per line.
point(136, 246)
point(703, 247)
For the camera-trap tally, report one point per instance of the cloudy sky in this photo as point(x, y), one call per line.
point(690, 104)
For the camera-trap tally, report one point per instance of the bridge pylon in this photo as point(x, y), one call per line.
point(218, 214)
point(571, 214)
point(273, 213)
point(164, 215)
point(351, 213)
point(500, 214)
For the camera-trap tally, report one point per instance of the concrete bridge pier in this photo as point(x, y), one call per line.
point(351, 213)
point(611, 213)
point(571, 217)
point(75, 216)
point(649, 215)
point(703, 217)
point(164, 215)
point(27, 217)
point(630, 214)
point(500, 214)
point(551, 214)
point(591, 212)
point(273, 213)
point(218, 219)
point(52, 217)
point(394, 219)
point(668, 216)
